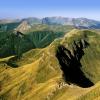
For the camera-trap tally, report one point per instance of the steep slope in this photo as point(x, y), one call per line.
point(16, 43)
point(39, 75)
point(90, 60)
point(37, 81)
point(13, 44)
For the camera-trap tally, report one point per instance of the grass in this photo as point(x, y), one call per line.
point(92, 93)
point(39, 73)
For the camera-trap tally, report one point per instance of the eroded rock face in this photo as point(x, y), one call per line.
point(23, 27)
point(70, 63)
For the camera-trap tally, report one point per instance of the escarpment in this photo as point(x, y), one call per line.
point(71, 65)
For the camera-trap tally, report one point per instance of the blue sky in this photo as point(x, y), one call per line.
point(44, 8)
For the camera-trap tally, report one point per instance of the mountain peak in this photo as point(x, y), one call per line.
point(24, 26)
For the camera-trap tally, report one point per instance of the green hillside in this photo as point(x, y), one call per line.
point(38, 36)
point(40, 76)
point(17, 43)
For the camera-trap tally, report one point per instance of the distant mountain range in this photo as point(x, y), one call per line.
point(76, 22)
point(6, 21)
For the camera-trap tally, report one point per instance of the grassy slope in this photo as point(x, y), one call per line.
point(39, 77)
point(24, 81)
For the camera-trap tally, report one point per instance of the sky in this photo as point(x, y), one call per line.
point(47, 8)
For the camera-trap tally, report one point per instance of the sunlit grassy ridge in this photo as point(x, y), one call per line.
point(39, 77)
point(21, 76)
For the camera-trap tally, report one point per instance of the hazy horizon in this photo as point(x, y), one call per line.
point(20, 18)
point(47, 8)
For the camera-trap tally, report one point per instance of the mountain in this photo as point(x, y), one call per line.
point(80, 23)
point(5, 21)
point(76, 22)
point(33, 20)
point(24, 26)
point(68, 68)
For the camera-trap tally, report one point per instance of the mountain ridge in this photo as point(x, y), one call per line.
point(39, 75)
point(80, 23)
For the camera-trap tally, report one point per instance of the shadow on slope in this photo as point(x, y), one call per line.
point(70, 63)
